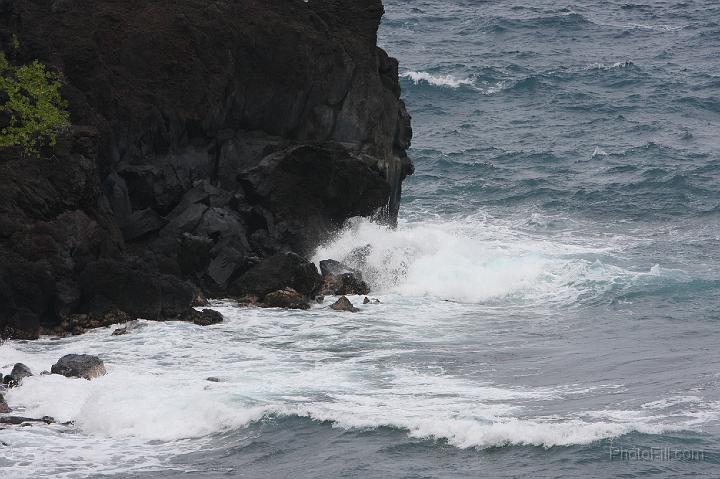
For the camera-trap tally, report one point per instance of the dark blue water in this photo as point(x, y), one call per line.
point(551, 298)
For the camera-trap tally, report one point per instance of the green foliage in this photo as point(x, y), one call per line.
point(31, 105)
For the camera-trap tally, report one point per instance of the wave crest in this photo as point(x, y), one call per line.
point(436, 80)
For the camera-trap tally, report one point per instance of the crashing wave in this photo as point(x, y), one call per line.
point(436, 80)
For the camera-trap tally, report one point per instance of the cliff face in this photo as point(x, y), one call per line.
point(206, 136)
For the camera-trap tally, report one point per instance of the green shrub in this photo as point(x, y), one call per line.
point(30, 105)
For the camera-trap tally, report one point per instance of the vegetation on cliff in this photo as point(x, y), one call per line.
point(32, 111)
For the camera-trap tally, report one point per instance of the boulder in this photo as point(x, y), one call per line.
point(4, 408)
point(280, 271)
point(344, 304)
point(335, 268)
point(285, 298)
point(206, 317)
point(225, 264)
point(339, 279)
point(18, 373)
point(79, 366)
point(141, 223)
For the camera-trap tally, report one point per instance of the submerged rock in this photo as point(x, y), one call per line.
point(18, 373)
point(344, 304)
point(119, 332)
point(79, 366)
point(286, 298)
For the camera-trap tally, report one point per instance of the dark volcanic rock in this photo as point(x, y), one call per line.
point(212, 135)
point(286, 298)
point(141, 223)
point(79, 366)
point(206, 317)
point(20, 420)
point(115, 285)
point(4, 408)
point(18, 373)
point(331, 267)
point(339, 279)
point(344, 304)
point(78, 323)
point(283, 270)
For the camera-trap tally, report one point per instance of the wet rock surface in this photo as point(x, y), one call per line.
point(283, 270)
point(339, 279)
point(286, 298)
point(243, 131)
point(344, 304)
point(21, 420)
point(79, 366)
point(206, 317)
point(18, 373)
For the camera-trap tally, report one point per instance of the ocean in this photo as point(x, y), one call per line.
point(550, 300)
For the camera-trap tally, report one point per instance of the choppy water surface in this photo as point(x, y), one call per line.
point(551, 295)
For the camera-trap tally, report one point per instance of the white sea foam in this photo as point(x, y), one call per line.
point(436, 80)
point(450, 81)
point(609, 66)
point(155, 404)
point(367, 370)
point(471, 432)
point(598, 152)
point(475, 260)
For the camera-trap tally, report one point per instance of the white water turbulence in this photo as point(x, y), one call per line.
point(437, 80)
point(475, 259)
point(392, 365)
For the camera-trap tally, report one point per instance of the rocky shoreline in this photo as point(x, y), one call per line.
point(81, 366)
point(211, 147)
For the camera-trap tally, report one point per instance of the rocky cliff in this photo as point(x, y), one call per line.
point(206, 136)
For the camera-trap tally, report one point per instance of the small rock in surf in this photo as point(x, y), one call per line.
point(79, 366)
point(18, 373)
point(285, 298)
point(344, 304)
